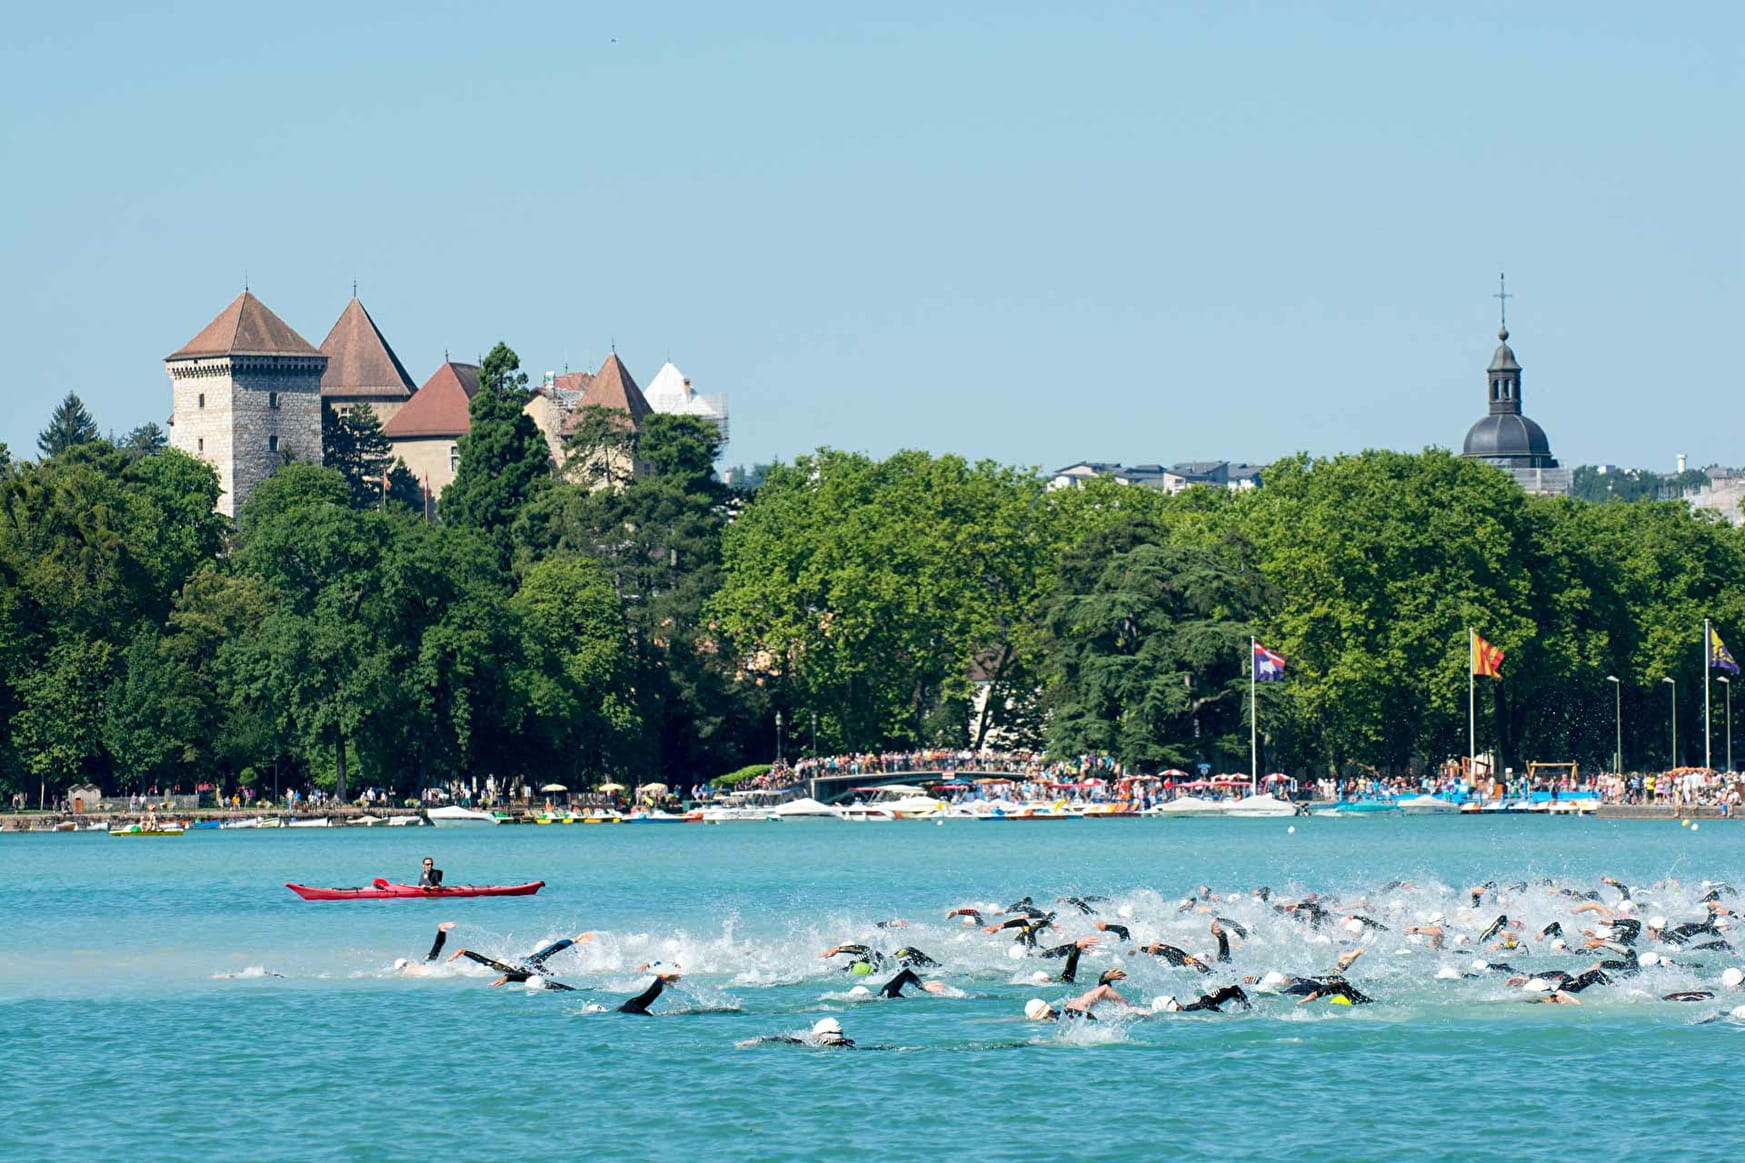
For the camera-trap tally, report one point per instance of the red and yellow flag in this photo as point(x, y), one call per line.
point(1487, 660)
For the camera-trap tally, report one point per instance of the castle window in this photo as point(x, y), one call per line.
point(199, 444)
point(272, 444)
point(453, 458)
point(202, 399)
point(272, 399)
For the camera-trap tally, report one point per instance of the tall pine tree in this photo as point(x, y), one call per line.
point(504, 461)
point(70, 426)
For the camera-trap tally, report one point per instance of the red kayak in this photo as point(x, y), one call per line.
point(382, 890)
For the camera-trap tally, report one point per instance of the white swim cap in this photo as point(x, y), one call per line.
point(593, 1007)
point(1165, 1005)
point(1481, 966)
point(1448, 973)
point(1559, 944)
point(860, 991)
point(1732, 976)
point(1014, 953)
point(401, 963)
point(1737, 1013)
point(969, 921)
point(827, 1026)
point(1036, 1009)
point(1354, 926)
point(1657, 922)
point(1040, 977)
point(1273, 980)
point(1537, 985)
point(1650, 959)
point(536, 982)
point(1625, 906)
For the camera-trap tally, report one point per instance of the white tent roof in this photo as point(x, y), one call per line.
point(669, 391)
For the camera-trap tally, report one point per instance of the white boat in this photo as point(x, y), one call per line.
point(252, 822)
point(1264, 806)
point(1187, 807)
point(322, 822)
point(893, 801)
point(806, 807)
point(641, 816)
point(1428, 806)
point(455, 816)
point(365, 822)
point(405, 822)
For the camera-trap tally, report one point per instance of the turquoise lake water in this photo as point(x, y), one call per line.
point(137, 1021)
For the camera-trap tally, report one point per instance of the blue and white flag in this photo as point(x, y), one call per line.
point(1268, 666)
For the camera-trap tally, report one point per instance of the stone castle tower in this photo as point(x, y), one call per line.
point(246, 395)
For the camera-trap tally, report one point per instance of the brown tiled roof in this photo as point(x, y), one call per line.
point(573, 381)
point(359, 360)
point(440, 407)
point(613, 387)
point(245, 327)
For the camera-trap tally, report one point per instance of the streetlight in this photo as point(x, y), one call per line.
point(1674, 685)
point(778, 736)
point(1618, 700)
point(1721, 678)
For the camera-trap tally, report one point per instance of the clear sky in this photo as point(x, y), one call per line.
point(1033, 232)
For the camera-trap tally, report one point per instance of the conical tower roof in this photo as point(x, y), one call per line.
point(245, 327)
point(442, 407)
point(669, 390)
point(613, 387)
point(359, 360)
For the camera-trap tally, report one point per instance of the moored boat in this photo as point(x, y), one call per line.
point(455, 816)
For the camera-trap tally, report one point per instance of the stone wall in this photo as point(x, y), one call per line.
point(246, 416)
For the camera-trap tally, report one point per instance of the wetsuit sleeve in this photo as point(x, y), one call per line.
point(1070, 970)
point(436, 946)
point(640, 1003)
point(489, 963)
point(1120, 931)
point(1223, 945)
point(552, 950)
point(894, 987)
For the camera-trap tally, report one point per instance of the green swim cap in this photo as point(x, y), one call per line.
point(861, 968)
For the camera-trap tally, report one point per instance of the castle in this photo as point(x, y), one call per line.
point(247, 395)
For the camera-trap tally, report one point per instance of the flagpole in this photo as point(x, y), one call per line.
point(1472, 705)
point(1253, 729)
point(1708, 719)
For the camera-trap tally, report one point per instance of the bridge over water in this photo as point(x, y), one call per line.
point(830, 788)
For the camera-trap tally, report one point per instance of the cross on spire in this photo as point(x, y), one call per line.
point(1502, 297)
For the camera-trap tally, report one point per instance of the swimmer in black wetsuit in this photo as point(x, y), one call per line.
point(1176, 957)
point(1081, 903)
point(894, 987)
point(1329, 986)
point(640, 1003)
point(860, 953)
point(1121, 931)
point(826, 1033)
point(532, 966)
point(1214, 1001)
point(1070, 951)
point(1223, 942)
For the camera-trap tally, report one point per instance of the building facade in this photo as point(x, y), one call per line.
point(246, 398)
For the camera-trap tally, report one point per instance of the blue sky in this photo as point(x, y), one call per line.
point(1142, 232)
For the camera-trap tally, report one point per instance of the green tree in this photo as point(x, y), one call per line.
point(601, 449)
point(146, 440)
point(70, 426)
point(504, 461)
point(352, 443)
point(1149, 645)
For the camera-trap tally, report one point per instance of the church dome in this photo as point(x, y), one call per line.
point(1506, 434)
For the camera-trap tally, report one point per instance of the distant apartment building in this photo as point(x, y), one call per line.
point(1225, 474)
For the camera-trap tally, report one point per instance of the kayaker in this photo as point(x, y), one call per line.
point(431, 877)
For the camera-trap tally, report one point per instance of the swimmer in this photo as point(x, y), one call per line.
point(1081, 903)
point(1433, 932)
point(1331, 987)
point(640, 1003)
point(825, 1033)
point(970, 916)
point(533, 965)
point(410, 967)
point(1070, 951)
point(1223, 956)
point(1081, 1006)
point(1176, 957)
point(894, 987)
point(1121, 931)
point(1214, 1001)
point(862, 955)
